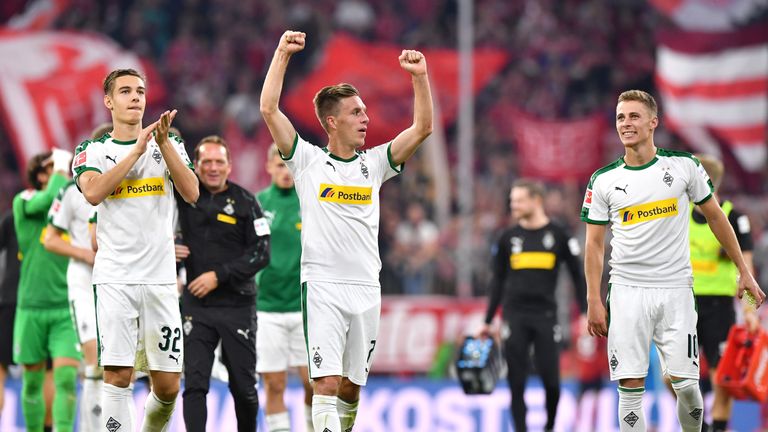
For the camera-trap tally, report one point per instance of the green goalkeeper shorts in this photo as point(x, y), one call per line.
point(39, 334)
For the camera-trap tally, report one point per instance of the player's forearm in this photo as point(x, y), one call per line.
point(593, 271)
point(273, 83)
point(56, 244)
point(422, 106)
point(97, 187)
point(184, 179)
point(723, 231)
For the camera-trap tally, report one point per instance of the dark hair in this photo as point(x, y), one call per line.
point(642, 97)
point(109, 81)
point(36, 166)
point(534, 188)
point(212, 139)
point(327, 100)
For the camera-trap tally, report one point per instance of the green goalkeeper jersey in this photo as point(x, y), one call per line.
point(43, 277)
point(279, 284)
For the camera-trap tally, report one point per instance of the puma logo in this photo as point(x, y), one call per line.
point(112, 158)
point(624, 189)
point(244, 333)
point(170, 356)
point(330, 165)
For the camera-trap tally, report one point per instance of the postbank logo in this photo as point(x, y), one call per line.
point(345, 194)
point(138, 188)
point(649, 211)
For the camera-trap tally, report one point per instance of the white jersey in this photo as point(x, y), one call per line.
point(648, 210)
point(70, 213)
point(135, 228)
point(339, 201)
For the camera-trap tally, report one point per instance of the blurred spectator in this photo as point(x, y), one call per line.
point(416, 244)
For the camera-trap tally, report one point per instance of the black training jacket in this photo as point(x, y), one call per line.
point(221, 233)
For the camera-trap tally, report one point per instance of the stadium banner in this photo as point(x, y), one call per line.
point(554, 150)
point(413, 328)
point(714, 90)
point(51, 87)
point(423, 405)
point(384, 87)
point(39, 14)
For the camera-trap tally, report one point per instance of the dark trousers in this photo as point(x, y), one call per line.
point(540, 331)
point(236, 328)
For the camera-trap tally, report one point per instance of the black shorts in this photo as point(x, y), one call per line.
point(7, 315)
point(716, 316)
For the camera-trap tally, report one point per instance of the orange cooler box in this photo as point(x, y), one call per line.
point(743, 369)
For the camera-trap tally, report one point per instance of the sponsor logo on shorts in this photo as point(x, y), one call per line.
point(649, 211)
point(345, 194)
point(139, 188)
point(631, 418)
point(244, 333)
point(172, 357)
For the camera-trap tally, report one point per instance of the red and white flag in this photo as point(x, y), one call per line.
point(51, 87)
point(714, 90)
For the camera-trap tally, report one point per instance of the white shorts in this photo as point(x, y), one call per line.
point(639, 315)
point(280, 342)
point(81, 305)
point(140, 326)
point(342, 324)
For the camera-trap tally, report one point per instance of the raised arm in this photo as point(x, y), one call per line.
point(594, 251)
point(723, 231)
point(406, 143)
point(283, 132)
point(97, 186)
point(184, 179)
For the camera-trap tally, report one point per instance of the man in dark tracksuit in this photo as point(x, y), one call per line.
point(227, 238)
point(525, 268)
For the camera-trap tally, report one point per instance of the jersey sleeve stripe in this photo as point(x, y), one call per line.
point(704, 200)
point(391, 162)
point(293, 148)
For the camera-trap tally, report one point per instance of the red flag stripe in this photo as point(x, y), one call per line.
point(706, 42)
point(724, 90)
point(742, 136)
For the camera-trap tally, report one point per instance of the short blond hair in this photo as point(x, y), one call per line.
point(714, 168)
point(642, 97)
point(272, 151)
point(328, 99)
point(212, 139)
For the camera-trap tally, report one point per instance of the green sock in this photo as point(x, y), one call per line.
point(32, 403)
point(65, 399)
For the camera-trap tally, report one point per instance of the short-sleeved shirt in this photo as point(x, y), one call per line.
point(135, 228)
point(648, 210)
point(43, 278)
point(69, 213)
point(340, 211)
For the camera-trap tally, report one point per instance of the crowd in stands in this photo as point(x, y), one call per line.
point(568, 59)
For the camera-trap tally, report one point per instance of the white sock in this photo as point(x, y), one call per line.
point(117, 408)
point(157, 414)
point(308, 418)
point(690, 405)
point(631, 417)
point(324, 415)
point(90, 400)
point(278, 422)
point(347, 414)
